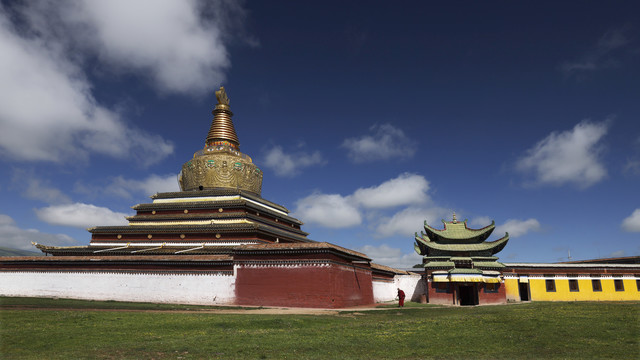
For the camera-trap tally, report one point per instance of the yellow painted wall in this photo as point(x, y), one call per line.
point(538, 290)
point(511, 288)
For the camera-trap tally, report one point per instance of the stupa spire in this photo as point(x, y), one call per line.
point(222, 131)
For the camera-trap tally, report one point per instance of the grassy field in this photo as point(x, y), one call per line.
point(517, 331)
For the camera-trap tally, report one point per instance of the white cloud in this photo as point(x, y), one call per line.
point(291, 163)
point(128, 188)
point(337, 211)
point(48, 112)
point(386, 142)
point(615, 254)
point(601, 55)
point(40, 190)
point(152, 184)
point(409, 221)
point(329, 210)
point(393, 257)
point(406, 189)
point(12, 236)
point(571, 156)
point(633, 162)
point(480, 221)
point(178, 44)
point(517, 228)
point(80, 215)
point(632, 223)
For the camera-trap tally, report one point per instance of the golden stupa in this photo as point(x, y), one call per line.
point(221, 164)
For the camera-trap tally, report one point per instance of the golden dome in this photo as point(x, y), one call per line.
point(221, 164)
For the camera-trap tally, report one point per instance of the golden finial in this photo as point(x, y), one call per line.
point(222, 130)
point(455, 220)
point(222, 97)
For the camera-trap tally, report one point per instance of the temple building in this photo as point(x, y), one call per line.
point(460, 265)
point(217, 241)
point(220, 206)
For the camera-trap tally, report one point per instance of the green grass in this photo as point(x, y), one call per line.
point(54, 303)
point(521, 331)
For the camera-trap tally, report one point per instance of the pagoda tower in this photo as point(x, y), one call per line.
point(460, 265)
point(218, 208)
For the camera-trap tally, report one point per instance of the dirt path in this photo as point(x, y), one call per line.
point(262, 311)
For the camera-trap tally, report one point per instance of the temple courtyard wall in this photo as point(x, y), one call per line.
point(334, 286)
point(387, 290)
point(201, 289)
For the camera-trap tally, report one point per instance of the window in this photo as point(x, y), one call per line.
point(573, 285)
point(638, 284)
point(551, 285)
point(597, 286)
point(491, 288)
point(441, 287)
point(619, 285)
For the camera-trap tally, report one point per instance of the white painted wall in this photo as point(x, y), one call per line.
point(412, 285)
point(202, 289)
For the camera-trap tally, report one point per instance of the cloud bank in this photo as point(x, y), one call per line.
point(632, 222)
point(12, 236)
point(604, 54)
point(517, 228)
point(80, 215)
point(289, 164)
point(568, 157)
point(384, 254)
point(384, 142)
point(339, 211)
point(48, 110)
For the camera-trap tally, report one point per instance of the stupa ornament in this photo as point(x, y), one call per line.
point(222, 97)
point(221, 164)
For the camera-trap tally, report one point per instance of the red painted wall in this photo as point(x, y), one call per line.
point(440, 298)
point(449, 298)
point(485, 298)
point(333, 286)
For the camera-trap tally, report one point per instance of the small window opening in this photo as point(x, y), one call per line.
point(551, 285)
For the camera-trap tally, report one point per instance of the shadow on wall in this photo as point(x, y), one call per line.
point(418, 291)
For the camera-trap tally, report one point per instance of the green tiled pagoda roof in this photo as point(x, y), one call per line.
point(488, 247)
point(488, 264)
point(439, 264)
point(465, 271)
point(456, 232)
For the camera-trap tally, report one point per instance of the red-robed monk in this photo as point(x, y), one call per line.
point(400, 298)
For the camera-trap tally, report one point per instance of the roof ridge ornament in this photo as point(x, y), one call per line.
point(455, 220)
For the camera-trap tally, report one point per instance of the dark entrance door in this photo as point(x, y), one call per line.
point(468, 295)
point(524, 291)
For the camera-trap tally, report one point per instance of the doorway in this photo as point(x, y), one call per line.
point(468, 295)
point(524, 291)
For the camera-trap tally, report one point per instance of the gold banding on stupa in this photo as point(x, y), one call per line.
point(222, 129)
point(221, 164)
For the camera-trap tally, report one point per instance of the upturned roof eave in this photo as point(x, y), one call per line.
point(474, 235)
point(492, 246)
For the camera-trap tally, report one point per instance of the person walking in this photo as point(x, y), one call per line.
point(400, 298)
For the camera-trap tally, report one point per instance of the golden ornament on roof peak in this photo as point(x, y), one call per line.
point(222, 97)
point(222, 130)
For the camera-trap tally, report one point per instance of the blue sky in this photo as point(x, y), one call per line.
point(367, 118)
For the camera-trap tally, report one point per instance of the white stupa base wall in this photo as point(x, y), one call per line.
point(412, 285)
point(188, 288)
